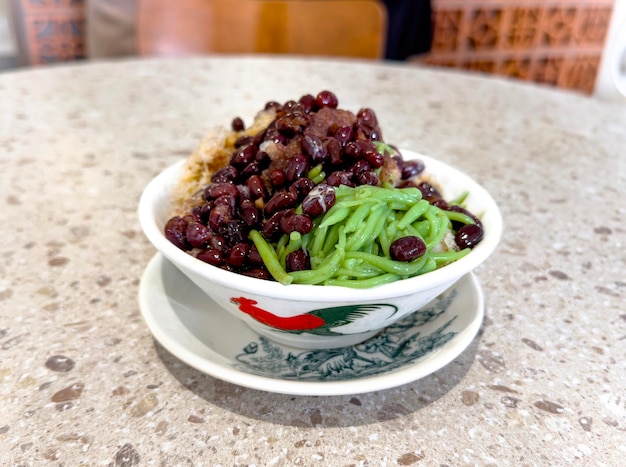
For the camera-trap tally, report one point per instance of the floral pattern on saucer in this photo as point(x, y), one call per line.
point(204, 336)
point(399, 344)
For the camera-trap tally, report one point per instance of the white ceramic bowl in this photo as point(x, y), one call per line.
point(245, 296)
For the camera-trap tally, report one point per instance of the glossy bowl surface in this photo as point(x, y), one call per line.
point(283, 312)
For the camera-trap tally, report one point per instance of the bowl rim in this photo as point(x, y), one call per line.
point(161, 185)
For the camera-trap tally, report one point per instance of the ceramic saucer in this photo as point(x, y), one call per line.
point(200, 333)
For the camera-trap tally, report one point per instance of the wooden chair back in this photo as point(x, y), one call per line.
point(349, 28)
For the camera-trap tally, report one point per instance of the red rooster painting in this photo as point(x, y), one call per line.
point(323, 321)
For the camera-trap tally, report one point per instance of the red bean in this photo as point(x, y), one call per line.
point(374, 158)
point(353, 150)
point(292, 123)
point(290, 106)
point(360, 166)
point(300, 223)
point(175, 231)
point(343, 134)
point(254, 257)
point(262, 158)
point(340, 178)
point(257, 273)
point(277, 178)
point(376, 135)
point(468, 236)
point(243, 155)
point(302, 187)
point(230, 202)
point(205, 211)
point(249, 213)
point(216, 190)
point(217, 242)
point(367, 177)
point(298, 166)
point(273, 105)
point(327, 99)
point(236, 231)
point(259, 137)
point(319, 200)
point(253, 168)
point(407, 248)
point(366, 146)
point(429, 192)
point(367, 117)
point(272, 134)
point(365, 133)
point(308, 103)
point(333, 146)
point(225, 174)
point(256, 186)
point(237, 254)
point(243, 141)
point(219, 217)
point(281, 200)
point(313, 147)
point(198, 235)
point(271, 228)
point(443, 204)
point(237, 124)
point(412, 168)
point(196, 212)
point(211, 256)
point(298, 260)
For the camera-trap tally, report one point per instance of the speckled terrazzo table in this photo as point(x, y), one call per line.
point(83, 382)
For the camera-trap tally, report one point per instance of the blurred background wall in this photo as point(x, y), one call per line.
point(8, 54)
point(554, 42)
point(558, 43)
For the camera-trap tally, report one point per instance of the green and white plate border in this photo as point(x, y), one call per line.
point(197, 331)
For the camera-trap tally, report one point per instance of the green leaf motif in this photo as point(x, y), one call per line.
point(337, 316)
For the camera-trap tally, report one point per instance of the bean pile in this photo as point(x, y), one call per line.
point(280, 183)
